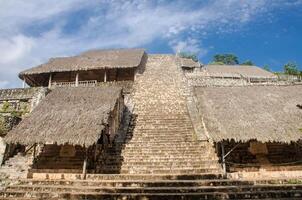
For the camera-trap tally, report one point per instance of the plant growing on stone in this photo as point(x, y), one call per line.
point(5, 107)
point(188, 55)
point(2, 126)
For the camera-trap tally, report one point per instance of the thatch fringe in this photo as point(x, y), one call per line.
point(243, 71)
point(73, 116)
point(263, 113)
point(90, 60)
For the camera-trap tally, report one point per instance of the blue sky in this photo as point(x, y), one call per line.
point(268, 32)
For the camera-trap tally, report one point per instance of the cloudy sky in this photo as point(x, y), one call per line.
point(264, 31)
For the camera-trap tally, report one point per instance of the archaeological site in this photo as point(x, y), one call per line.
point(126, 124)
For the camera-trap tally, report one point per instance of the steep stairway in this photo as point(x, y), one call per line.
point(161, 138)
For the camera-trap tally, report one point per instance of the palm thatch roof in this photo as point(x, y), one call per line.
point(90, 60)
point(264, 113)
point(189, 63)
point(75, 116)
point(235, 71)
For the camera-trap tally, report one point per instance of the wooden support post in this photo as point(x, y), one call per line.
point(223, 159)
point(50, 80)
point(34, 153)
point(35, 150)
point(95, 156)
point(23, 85)
point(85, 165)
point(77, 79)
point(105, 76)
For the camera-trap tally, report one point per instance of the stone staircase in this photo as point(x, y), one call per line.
point(199, 186)
point(161, 138)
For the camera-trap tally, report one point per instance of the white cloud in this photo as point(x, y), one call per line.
point(112, 23)
point(190, 45)
point(14, 48)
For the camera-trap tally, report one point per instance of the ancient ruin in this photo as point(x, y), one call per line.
point(125, 124)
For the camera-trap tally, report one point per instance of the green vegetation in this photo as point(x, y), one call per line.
point(227, 59)
point(3, 128)
point(294, 181)
point(6, 106)
point(267, 68)
point(9, 108)
point(189, 55)
point(216, 63)
point(291, 68)
point(247, 62)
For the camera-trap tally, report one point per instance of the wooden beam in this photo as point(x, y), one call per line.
point(105, 76)
point(223, 159)
point(95, 156)
point(34, 154)
point(23, 85)
point(77, 79)
point(35, 150)
point(49, 81)
point(85, 166)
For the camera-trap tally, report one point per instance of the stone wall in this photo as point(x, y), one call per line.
point(6, 124)
point(14, 105)
point(196, 79)
point(20, 101)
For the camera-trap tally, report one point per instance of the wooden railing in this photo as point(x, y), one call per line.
point(89, 83)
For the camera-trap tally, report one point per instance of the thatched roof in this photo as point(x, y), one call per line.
point(90, 60)
point(75, 116)
point(18, 93)
point(264, 113)
point(189, 63)
point(235, 71)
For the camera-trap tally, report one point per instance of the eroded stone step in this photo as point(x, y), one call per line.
point(235, 191)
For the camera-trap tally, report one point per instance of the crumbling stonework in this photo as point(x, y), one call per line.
point(19, 102)
point(14, 105)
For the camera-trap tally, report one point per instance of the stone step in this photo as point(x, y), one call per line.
point(154, 176)
point(97, 196)
point(161, 144)
point(136, 183)
point(152, 162)
point(160, 159)
point(148, 148)
point(160, 171)
point(176, 182)
point(230, 191)
point(166, 153)
point(51, 174)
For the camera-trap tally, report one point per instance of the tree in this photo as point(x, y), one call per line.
point(291, 68)
point(267, 68)
point(216, 63)
point(247, 62)
point(227, 59)
point(189, 55)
